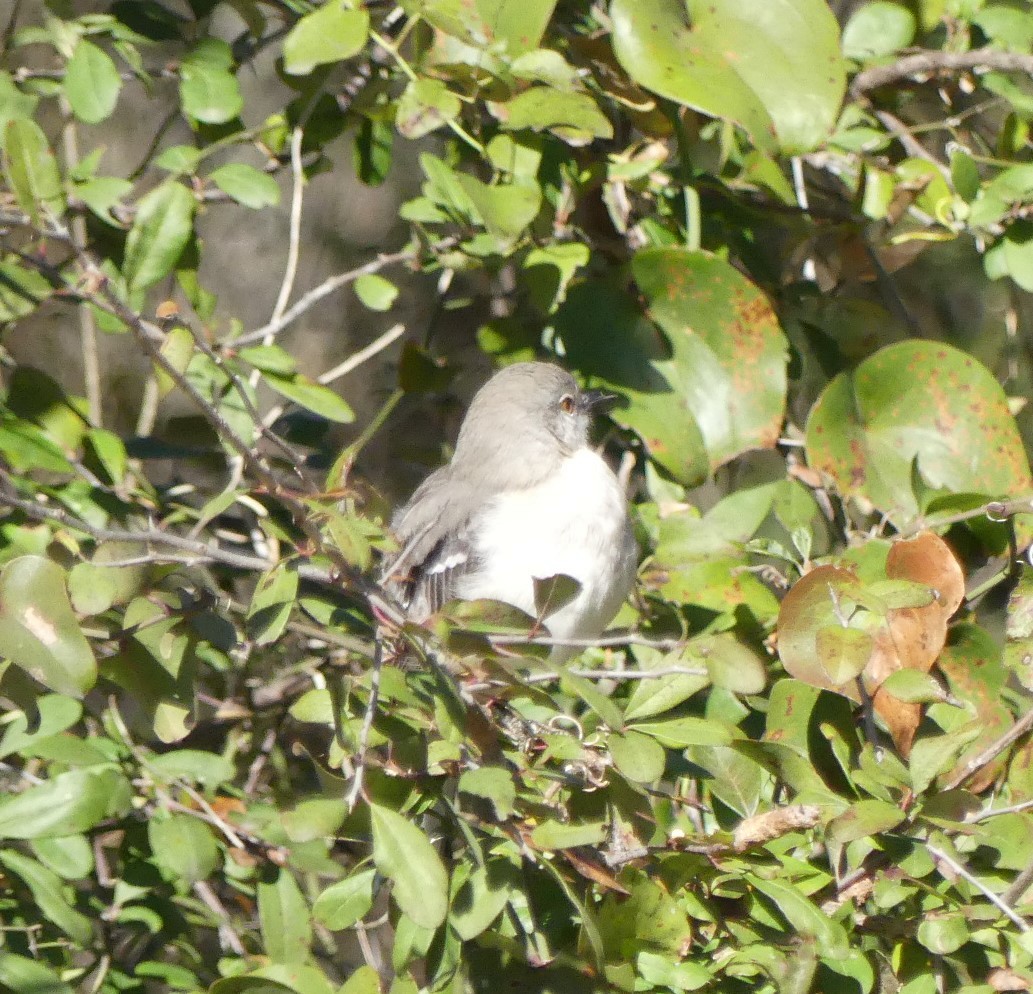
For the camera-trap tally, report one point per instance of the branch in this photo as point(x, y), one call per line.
point(925, 63)
point(941, 857)
point(994, 510)
point(314, 296)
point(661, 671)
point(977, 762)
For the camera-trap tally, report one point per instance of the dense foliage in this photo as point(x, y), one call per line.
point(796, 248)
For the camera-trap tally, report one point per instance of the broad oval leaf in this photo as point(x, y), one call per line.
point(48, 891)
point(162, 227)
point(405, 856)
point(328, 34)
point(91, 83)
point(246, 185)
point(31, 168)
point(38, 630)
point(773, 66)
point(71, 802)
point(184, 848)
point(901, 410)
point(284, 917)
point(712, 386)
point(342, 904)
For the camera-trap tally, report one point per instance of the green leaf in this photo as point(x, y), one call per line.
point(22, 975)
point(708, 388)
point(663, 971)
point(328, 34)
point(206, 768)
point(183, 847)
point(270, 359)
point(69, 856)
point(54, 714)
point(405, 856)
point(772, 66)
point(424, 106)
point(31, 169)
point(312, 396)
point(871, 427)
point(679, 733)
point(91, 83)
point(71, 802)
point(573, 116)
point(344, 903)
point(862, 819)
point(913, 686)
point(161, 230)
point(208, 89)
point(842, 653)
point(481, 899)
point(22, 290)
point(247, 185)
point(568, 835)
point(494, 784)
point(943, 934)
point(803, 916)
point(48, 891)
point(639, 757)
point(272, 603)
point(38, 630)
point(878, 28)
point(507, 208)
point(375, 292)
point(284, 918)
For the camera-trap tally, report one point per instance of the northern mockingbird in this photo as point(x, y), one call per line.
point(523, 498)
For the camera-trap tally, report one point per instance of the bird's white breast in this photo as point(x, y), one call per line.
point(575, 523)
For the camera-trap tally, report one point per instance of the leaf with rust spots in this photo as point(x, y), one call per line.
point(830, 635)
point(709, 386)
point(901, 408)
point(976, 674)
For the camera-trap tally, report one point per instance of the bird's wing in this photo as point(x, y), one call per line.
point(437, 545)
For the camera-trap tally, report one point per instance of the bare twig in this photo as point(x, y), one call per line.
point(977, 762)
point(294, 242)
point(910, 143)
point(87, 323)
point(227, 934)
point(352, 362)
point(941, 857)
point(358, 772)
point(358, 358)
point(603, 642)
point(1011, 809)
point(995, 510)
point(661, 671)
point(926, 63)
point(308, 300)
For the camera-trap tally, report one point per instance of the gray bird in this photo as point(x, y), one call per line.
point(523, 498)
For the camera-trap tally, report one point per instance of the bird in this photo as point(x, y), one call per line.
point(525, 497)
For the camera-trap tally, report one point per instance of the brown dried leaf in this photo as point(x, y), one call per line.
point(758, 829)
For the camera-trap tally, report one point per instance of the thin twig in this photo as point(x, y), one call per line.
point(1011, 809)
point(977, 60)
point(995, 510)
point(661, 671)
point(352, 362)
point(603, 642)
point(227, 933)
point(87, 322)
point(357, 359)
point(308, 300)
point(294, 240)
point(977, 762)
point(358, 773)
point(941, 857)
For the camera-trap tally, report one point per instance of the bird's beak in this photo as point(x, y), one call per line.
point(597, 401)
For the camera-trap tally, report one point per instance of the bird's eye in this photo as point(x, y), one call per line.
point(567, 404)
